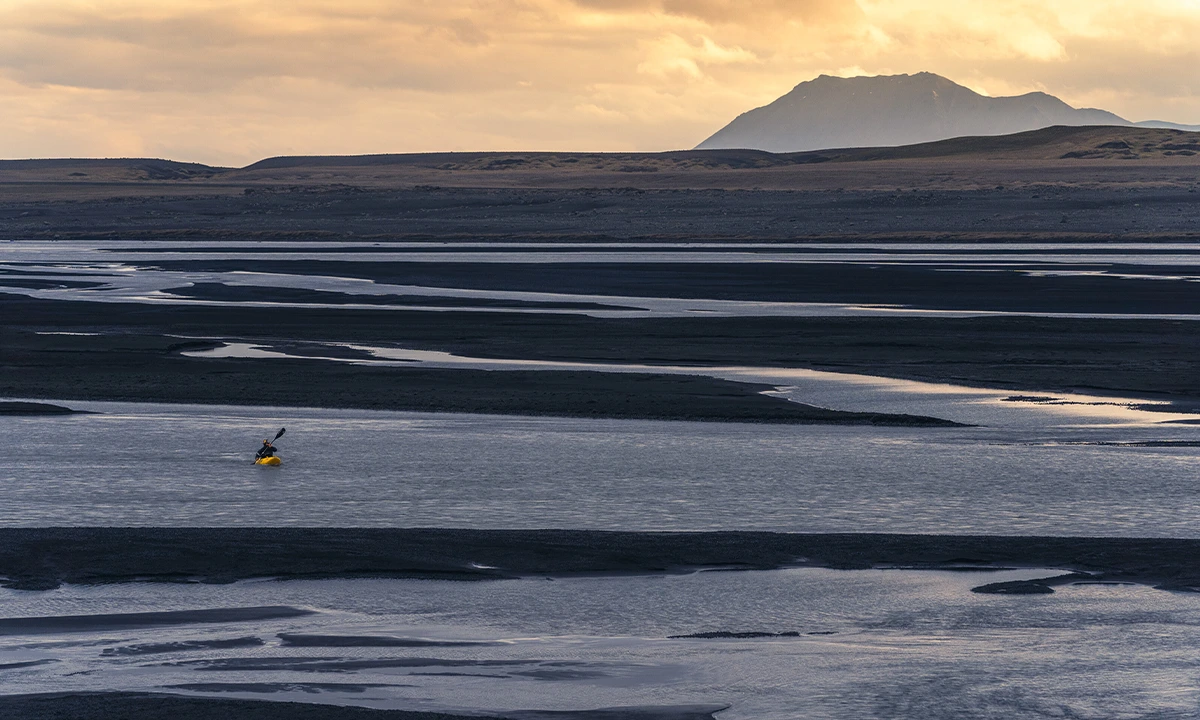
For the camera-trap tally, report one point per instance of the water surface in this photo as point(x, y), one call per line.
point(126, 272)
point(869, 644)
point(145, 464)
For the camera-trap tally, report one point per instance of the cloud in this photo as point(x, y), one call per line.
point(673, 54)
point(739, 12)
point(233, 80)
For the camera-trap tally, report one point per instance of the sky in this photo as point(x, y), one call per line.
point(229, 82)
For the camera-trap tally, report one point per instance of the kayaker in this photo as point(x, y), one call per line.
point(266, 451)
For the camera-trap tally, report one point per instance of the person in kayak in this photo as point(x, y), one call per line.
point(266, 451)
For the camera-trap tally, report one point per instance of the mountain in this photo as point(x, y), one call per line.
point(893, 110)
point(1164, 125)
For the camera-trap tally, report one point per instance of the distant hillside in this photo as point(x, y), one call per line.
point(1053, 143)
point(895, 110)
point(104, 169)
point(1076, 147)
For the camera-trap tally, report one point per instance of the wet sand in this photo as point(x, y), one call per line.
point(136, 357)
point(29, 408)
point(43, 558)
point(127, 621)
point(154, 706)
point(134, 363)
point(150, 369)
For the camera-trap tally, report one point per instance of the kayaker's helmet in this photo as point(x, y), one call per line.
point(266, 441)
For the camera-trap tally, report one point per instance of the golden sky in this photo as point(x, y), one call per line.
point(232, 81)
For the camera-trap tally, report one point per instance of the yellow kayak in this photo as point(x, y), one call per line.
point(273, 460)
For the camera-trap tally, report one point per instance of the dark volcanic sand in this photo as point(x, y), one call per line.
point(42, 558)
point(148, 706)
point(1151, 358)
point(918, 201)
point(126, 621)
point(149, 368)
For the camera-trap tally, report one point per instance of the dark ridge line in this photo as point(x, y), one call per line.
point(712, 158)
point(125, 162)
point(748, 158)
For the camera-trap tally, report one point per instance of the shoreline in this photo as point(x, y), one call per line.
point(44, 558)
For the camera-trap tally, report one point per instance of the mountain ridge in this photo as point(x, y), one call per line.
point(1060, 145)
point(898, 110)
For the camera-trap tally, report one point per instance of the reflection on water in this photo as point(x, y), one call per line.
point(142, 464)
point(868, 644)
point(148, 285)
point(128, 274)
point(839, 391)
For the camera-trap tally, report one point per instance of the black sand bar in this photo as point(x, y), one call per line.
point(148, 706)
point(42, 558)
point(123, 621)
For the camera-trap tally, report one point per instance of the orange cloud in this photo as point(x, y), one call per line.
point(233, 80)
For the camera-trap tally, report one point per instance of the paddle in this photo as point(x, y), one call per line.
point(277, 436)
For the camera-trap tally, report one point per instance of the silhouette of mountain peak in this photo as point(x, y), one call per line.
point(890, 110)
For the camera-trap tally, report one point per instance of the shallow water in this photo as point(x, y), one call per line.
point(127, 274)
point(871, 644)
point(1145, 253)
point(884, 644)
point(143, 464)
point(841, 391)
